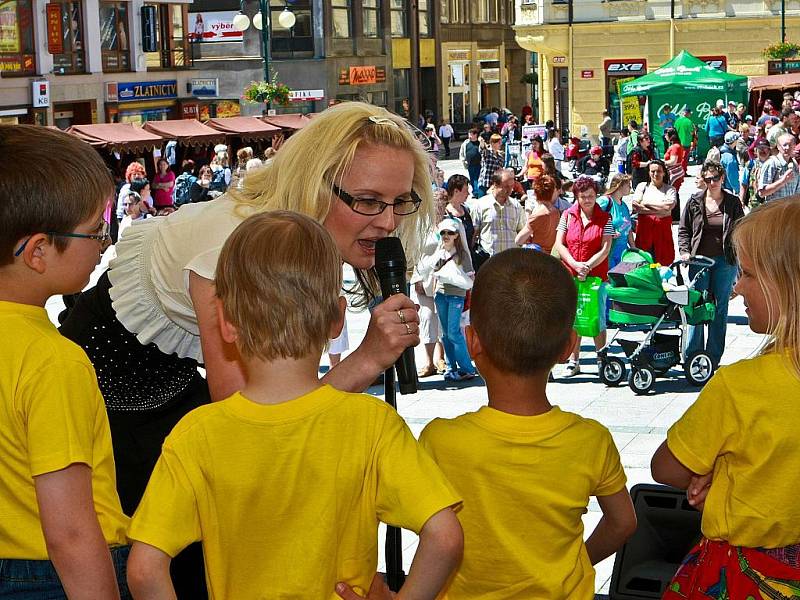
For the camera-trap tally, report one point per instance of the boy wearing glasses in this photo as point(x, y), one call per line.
point(62, 531)
point(285, 481)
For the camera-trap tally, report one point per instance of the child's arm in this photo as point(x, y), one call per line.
point(148, 573)
point(75, 542)
point(441, 543)
point(616, 525)
point(668, 470)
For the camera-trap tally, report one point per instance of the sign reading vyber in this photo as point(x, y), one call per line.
point(128, 91)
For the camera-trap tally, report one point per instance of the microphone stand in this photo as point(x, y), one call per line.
point(394, 544)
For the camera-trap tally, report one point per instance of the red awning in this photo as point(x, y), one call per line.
point(189, 132)
point(292, 121)
point(774, 82)
point(118, 137)
point(247, 128)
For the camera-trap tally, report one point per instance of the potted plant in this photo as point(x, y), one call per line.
point(781, 50)
point(268, 92)
point(528, 79)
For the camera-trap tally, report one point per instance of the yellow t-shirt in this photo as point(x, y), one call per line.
point(286, 498)
point(744, 426)
point(525, 482)
point(52, 415)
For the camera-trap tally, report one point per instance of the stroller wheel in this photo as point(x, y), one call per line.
point(641, 379)
point(698, 368)
point(612, 371)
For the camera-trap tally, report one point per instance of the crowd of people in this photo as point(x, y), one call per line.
point(114, 476)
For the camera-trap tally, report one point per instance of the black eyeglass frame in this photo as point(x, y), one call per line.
point(103, 237)
point(352, 201)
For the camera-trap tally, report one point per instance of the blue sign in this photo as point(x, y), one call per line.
point(204, 88)
point(128, 91)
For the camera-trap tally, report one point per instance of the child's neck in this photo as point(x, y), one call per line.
point(516, 395)
point(281, 380)
point(15, 287)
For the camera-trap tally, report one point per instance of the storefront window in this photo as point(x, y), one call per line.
point(424, 19)
point(340, 15)
point(114, 36)
point(170, 40)
point(401, 90)
point(71, 59)
point(298, 41)
point(399, 19)
point(479, 10)
point(369, 11)
point(17, 55)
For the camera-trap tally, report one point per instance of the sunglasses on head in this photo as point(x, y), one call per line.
point(713, 179)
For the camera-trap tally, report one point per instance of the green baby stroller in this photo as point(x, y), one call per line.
point(641, 300)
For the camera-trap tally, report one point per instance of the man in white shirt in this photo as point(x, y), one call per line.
point(497, 217)
point(556, 148)
point(446, 133)
point(780, 176)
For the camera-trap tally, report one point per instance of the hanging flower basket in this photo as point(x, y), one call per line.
point(273, 92)
point(783, 50)
point(528, 78)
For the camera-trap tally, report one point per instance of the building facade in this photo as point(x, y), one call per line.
point(585, 48)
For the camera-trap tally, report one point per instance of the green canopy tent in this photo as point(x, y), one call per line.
point(686, 81)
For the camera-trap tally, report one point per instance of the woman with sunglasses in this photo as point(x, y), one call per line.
point(653, 202)
point(156, 305)
point(706, 225)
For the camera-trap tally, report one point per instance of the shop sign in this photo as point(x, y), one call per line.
point(531, 131)
point(9, 27)
point(12, 64)
point(206, 88)
point(40, 94)
point(715, 62)
point(147, 90)
point(189, 111)
point(362, 75)
point(629, 106)
point(488, 54)
point(454, 55)
point(55, 37)
point(559, 60)
point(112, 92)
point(490, 75)
point(625, 67)
point(774, 66)
point(587, 74)
point(306, 95)
point(214, 26)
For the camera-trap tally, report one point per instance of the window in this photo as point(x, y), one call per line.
point(478, 10)
point(71, 60)
point(399, 18)
point(17, 55)
point(297, 42)
point(114, 36)
point(401, 91)
point(169, 28)
point(424, 19)
point(340, 16)
point(370, 10)
point(494, 11)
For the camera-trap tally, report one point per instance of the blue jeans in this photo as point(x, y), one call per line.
point(474, 176)
point(38, 580)
point(455, 346)
point(719, 279)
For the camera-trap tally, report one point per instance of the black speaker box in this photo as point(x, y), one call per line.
point(668, 528)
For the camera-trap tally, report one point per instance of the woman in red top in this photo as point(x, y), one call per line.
point(163, 183)
point(583, 242)
point(653, 202)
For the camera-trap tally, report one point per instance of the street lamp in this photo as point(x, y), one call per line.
point(261, 21)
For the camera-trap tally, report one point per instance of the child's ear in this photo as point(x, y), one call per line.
point(226, 328)
point(570, 345)
point(473, 342)
point(338, 324)
point(37, 249)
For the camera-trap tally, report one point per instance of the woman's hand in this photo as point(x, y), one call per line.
point(377, 591)
point(699, 486)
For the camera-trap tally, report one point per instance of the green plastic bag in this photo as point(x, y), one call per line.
point(590, 316)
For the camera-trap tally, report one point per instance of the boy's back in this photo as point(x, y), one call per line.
point(53, 416)
point(525, 482)
point(287, 497)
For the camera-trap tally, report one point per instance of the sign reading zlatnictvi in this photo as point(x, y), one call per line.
point(128, 91)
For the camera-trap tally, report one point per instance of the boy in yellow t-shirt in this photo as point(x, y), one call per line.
point(285, 482)
point(525, 468)
point(62, 530)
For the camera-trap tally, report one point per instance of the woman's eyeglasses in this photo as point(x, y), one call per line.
point(713, 179)
point(447, 233)
point(371, 207)
point(103, 237)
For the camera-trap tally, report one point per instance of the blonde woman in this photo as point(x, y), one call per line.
point(156, 307)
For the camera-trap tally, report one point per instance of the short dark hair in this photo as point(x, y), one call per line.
point(456, 183)
point(786, 112)
point(187, 166)
point(536, 293)
point(714, 167)
point(137, 185)
point(474, 130)
point(64, 182)
point(497, 176)
point(584, 183)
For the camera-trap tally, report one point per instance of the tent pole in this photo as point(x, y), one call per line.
point(783, 33)
point(672, 29)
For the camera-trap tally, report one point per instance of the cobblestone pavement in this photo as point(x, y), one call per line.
point(638, 423)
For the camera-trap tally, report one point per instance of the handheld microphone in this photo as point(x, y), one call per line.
point(390, 264)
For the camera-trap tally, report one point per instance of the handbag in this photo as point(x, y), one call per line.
point(675, 173)
point(452, 274)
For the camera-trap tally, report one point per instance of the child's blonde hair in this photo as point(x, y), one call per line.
point(278, 278)
point(300, 177)
point(769, 237)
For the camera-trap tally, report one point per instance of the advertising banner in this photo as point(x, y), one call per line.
point(214, 26)
point(9, 27)
point(55, 37)
point(629, 107)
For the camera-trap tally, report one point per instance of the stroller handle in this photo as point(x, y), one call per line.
point(699, 260)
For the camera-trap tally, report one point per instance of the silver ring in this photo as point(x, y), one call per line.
point(408, 329)
point(402, 316)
